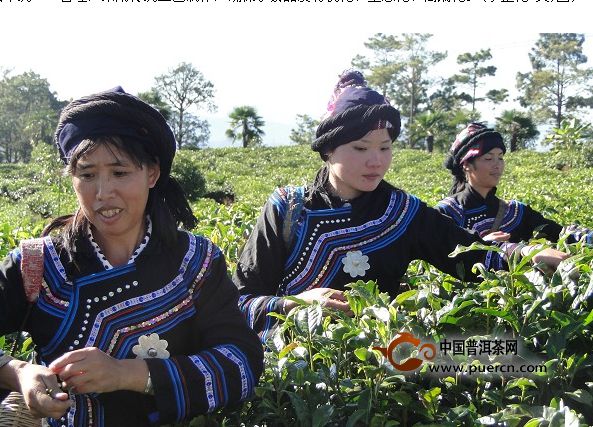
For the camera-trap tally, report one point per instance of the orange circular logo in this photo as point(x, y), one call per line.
point(427, 350)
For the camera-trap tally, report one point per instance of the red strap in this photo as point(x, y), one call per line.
point(32, 267)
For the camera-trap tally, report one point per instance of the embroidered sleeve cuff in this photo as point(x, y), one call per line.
point(197, 384)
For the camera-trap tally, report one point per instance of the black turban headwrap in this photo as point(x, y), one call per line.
point(354, 111)
point(117, 113)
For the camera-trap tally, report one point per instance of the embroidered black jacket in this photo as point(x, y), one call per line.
point(181, 302)
point(373, 237)
point(472, 211)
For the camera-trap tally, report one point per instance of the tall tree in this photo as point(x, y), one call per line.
point(399, 68)
point(195, 131)
point(497, 96)
point(184, 88)
point(28, 114)
point(445, 97)
point(555, 85)
point(246, 125)
point(445, 114)
point(437, 127)
point(471, 75)
point(154, 98)
point(304, 132)
point(517, 128)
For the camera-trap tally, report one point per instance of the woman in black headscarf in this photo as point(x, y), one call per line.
point(349, 224)
point(136, 323)
point(476, 161)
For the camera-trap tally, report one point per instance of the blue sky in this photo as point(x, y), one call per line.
point(282, 58)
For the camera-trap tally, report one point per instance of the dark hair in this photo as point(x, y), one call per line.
point(318, 186)
point(167, 205)
point(459, 179)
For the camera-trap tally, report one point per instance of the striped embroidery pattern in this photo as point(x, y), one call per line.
point(452, 209)
point(489, 262)
point(344, 231)
point(47, 294)
point(357, 246)
point(50, 303)
point(511, 220)
point(179, 387)
point(86, 411)
point(212, 363)
point(71, 415)
point(269, 320)
point(49, 246)
point(178, 309)
point(397, 216)
point(513, 216)
point(235, 355)
point(142, 300)
point(250, 308)
point(55, 291)
point(208, 381)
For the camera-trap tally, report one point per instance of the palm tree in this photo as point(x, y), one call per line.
point(438, 127)
point(246, 125)
point(519, 127)
point(428, 124)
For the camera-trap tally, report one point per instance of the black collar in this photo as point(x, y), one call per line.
point(321, 196)
point(470, 198)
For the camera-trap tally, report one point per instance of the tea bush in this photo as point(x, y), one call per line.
point(324, 368)
point(189, 176)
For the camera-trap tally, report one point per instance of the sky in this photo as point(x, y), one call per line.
point(283, 58)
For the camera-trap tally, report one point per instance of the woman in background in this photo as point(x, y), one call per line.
point(476, 161)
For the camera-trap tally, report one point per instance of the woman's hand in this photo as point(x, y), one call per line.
point(328, 297)
point(90, 370)
point(497, 236)
point(548, 258)
point(41, 391)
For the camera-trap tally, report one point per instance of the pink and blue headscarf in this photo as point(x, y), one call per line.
point(475, 140)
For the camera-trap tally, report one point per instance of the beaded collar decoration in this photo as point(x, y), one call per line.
point(106, 264)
